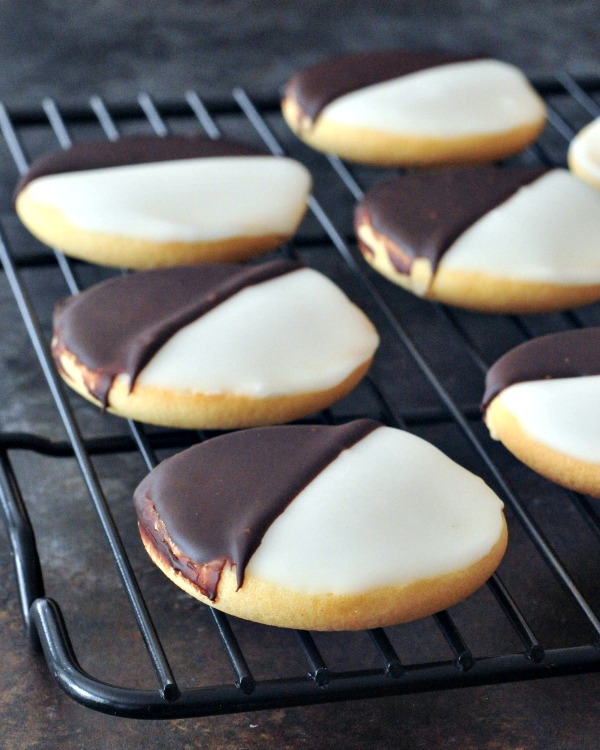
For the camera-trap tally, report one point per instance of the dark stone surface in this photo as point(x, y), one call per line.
point(116, 49)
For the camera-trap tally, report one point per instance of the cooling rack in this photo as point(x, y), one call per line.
point(117, 636)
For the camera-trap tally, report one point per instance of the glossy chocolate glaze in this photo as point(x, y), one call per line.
point(133, 150)
point(117, 326)
point(319, 84)
point(215, 501)
point(568, 354)
point(423, 212)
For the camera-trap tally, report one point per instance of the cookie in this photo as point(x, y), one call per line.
point(320, 527)
point(213, 346)
point(414, 109)
point(147, 202)
point(511, 240)
point(584, 154)
point(542, 401)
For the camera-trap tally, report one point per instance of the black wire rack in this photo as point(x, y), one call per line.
point(535, 618)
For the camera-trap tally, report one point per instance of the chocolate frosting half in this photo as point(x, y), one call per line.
point(568, 354)
point(132, 150)
point(319, 84)
point(117, 326)
point(215, 501)
point(423, 213)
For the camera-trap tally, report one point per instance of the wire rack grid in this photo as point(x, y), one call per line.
point(535, 618)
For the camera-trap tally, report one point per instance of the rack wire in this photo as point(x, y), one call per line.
point(535, 618)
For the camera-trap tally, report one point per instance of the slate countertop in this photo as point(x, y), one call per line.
point(71, 51)
point(74, 50)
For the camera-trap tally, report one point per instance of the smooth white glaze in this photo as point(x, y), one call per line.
point(584, 150)
point(292, 334)
point(390, 510)
point(184, 200)
point(548, 231)
point(562, 413)
point(458, 99)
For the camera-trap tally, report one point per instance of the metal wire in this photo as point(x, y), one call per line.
point(322, 683)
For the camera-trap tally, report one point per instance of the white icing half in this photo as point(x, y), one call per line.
point(562, 413)
point(584, 150)
point(292, 334)
point(182, 200)
point(390, 510)
point(458, 99)
point(548, 231)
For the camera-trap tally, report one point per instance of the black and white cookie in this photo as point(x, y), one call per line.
point(319, 527)
point(148, 202)
point(516, 239)
point(414, 109)
point(542, 401)
point(214, 346)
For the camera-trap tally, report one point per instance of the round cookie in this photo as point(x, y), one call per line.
point(413, 109)
point(321, 527)
point(147, 202)
point(510, 240)
point(542, 401)
point(584, 154)
point(213, 346)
